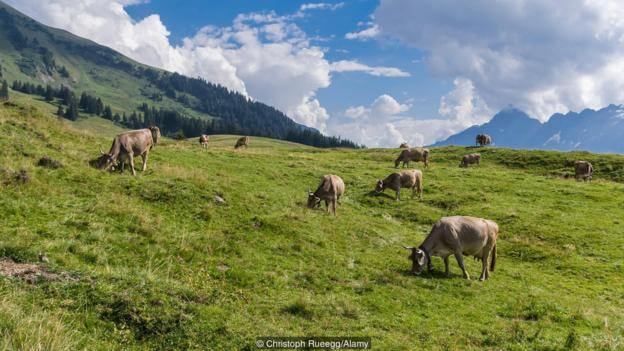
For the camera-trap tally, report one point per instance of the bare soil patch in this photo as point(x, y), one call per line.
point(31, 273)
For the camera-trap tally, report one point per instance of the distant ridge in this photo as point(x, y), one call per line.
point(591, 130)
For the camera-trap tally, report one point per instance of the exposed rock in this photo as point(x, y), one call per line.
point(219, 200)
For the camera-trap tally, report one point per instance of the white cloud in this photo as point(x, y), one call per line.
point(385, 123)
point(463, 106)
point(543, 56)
point(263, 55)
point(365, 34)
point(357, 112)
point(375, 125)
point(386, 106)
point(355, 66)
point(321, 6)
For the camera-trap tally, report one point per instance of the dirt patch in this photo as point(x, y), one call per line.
point(31, 273)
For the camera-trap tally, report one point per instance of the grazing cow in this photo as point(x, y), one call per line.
point(415, 154)
point(203, 140)
point(583, 170)
point(242, 141)
point(483, 140)
point(458, 235)
point(404, 146)
point(129, 144)
point(470, 159)
point(405, 179)
point(329, 190)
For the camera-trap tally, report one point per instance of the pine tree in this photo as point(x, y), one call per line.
point(4, 91)
point(108, 113)
point(72, 110)
point(49, 93)
point(99, 107)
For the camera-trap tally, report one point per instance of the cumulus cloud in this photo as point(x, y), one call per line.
point(321, 6)
point(543, 56)
point(386, 122)
point(377, 125)
point(463, 106)
point(355, 66)
point(365, 34)
point(263, 55)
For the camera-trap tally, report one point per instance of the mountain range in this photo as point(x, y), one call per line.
point(41, 58)
point(591, 130)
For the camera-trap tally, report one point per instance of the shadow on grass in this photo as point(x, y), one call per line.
point(433, 274)
point(373, 193)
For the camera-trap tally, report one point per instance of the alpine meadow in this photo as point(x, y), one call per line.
point(212, 246)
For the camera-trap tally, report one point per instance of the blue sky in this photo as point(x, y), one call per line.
point(378, 72)
point(184, 19)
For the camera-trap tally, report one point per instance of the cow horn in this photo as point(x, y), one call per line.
point(407, 247)
point(102, 152)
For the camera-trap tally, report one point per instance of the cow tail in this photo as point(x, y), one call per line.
point(493, 262)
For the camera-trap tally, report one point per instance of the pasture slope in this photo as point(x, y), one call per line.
point(157, 264)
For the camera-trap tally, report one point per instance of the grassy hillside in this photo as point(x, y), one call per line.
point(80, 57)
point(156, 263)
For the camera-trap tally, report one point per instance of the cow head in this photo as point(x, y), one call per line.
point(313, 200)
point(104, 161)
point(419, 259)
point(379, 187)
point(155, 134)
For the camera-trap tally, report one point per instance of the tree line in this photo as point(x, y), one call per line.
point(171, 122)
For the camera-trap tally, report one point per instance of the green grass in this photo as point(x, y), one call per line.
point(162, 266)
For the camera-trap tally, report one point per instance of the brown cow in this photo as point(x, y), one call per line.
point(458, 236)
point(470, 159)
point(129, 144)
point(583, 170)
point(405, 179)
point(415, 154)
point(242, 141)
point(483, 140)
point(329, 190)
point(404, 146)
point(203, 140)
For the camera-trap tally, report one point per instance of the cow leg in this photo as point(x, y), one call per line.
point(484, 260)
point(131, 160)
point(144, 156)
point(460, 262)
point(334, 200)
point(447, 271)
point(398, 194)
point(327, 206)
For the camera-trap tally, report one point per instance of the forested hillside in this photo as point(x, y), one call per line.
point(44, 61)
